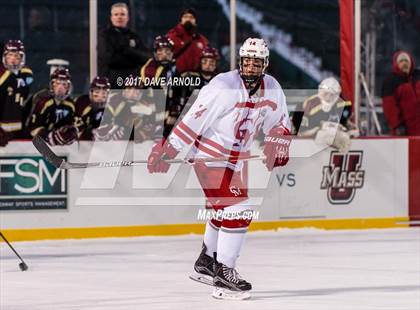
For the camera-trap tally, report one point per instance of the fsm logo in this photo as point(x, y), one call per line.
point(343, 176)
point(31, 183)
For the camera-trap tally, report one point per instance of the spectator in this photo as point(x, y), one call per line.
point(120, 51)
point(401, 96)
point(15, 83)
point(188, 43)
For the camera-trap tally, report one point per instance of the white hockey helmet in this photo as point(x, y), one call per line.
point(254, 48)
point(329, 91)
point(330, 84)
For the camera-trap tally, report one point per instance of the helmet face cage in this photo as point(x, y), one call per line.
point(253, 48)
point(99, 83)
point(62, 75)
point(132, 93)
point(329, 91)
point(14, 46)
point(208, 60)
point(162, 42)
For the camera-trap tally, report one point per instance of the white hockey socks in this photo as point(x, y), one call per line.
point(229, 246)
point(210, 237)
point(236, 220)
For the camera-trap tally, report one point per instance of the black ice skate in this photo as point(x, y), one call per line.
point(229, 284)
point(204, 268)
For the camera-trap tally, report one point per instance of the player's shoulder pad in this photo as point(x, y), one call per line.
point(26, 70)
point(148, 62)
point(342, 104)
point(82, 101)
point(116, 105)
point(271, 82)
point(43, 104)
point(69, 103)
point(82, 104)
point(272, 88)
point(42, 100)
point(310, 101)
point(4, 74)
point(313, 105)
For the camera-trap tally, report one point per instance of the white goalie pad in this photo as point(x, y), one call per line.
point(342, 141)
point(334, 135)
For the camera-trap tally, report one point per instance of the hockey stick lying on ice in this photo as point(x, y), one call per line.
point(61, 163)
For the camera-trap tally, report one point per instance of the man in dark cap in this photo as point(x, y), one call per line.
point(188, 43)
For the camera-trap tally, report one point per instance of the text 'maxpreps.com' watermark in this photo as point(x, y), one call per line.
point(207, 214)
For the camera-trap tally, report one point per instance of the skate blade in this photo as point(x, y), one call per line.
point(202, 279)
point(222, 293)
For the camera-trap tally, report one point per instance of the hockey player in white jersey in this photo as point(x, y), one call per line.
point(223, 122)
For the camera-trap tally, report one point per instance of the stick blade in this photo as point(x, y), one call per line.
point(23, 266)
point(46, 151)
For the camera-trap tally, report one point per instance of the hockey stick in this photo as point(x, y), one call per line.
point(22, 265)
point(61, 163)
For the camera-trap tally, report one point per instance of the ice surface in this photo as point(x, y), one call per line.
point(289, 269)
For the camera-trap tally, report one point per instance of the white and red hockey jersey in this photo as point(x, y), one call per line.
point(224, 119)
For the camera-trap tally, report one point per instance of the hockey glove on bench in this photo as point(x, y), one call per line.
point(63, 136)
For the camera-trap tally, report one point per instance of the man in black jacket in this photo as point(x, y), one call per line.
point(120, 51)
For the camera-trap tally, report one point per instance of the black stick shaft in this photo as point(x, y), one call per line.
point(13, 249)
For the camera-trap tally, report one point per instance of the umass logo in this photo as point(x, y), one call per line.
point(343, 176)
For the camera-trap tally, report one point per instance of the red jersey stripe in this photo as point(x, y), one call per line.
point(188, 130)
point(182, 136)
point(220, 147)
point(201, 147)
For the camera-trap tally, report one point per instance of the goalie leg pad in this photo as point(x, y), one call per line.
point(342, 141)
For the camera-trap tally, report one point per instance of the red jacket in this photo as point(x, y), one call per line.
point(401, 98)
point(189, 60)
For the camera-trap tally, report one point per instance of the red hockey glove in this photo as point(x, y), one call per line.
point(160, 151)
point(276, 148)
point(63, 136)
